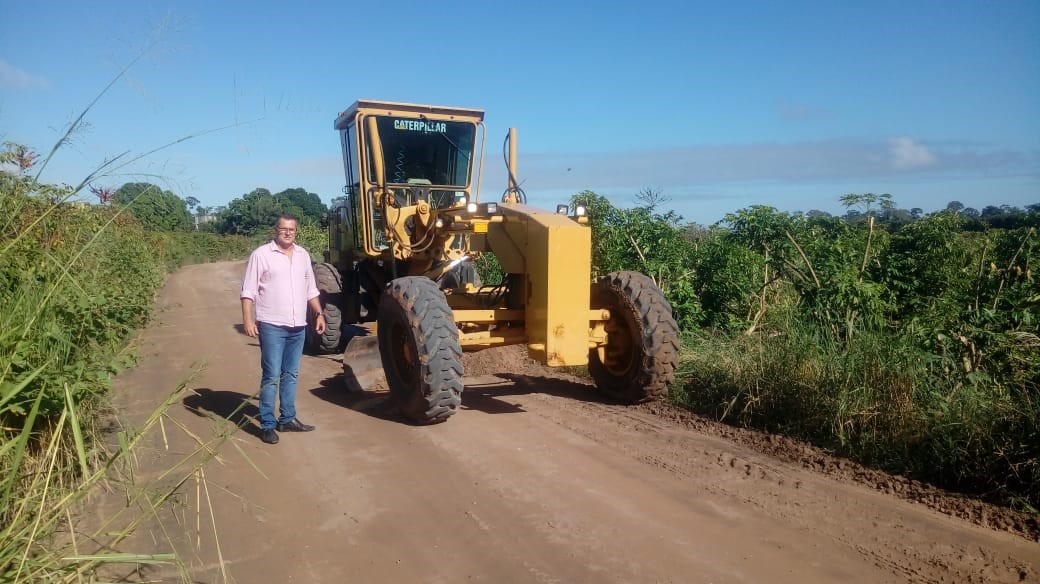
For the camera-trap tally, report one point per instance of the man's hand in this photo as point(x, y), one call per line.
point(249, 318)
point(319, 320)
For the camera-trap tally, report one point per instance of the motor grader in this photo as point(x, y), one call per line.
point(401, 245)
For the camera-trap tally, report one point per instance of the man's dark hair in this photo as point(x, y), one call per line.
point(287, 217)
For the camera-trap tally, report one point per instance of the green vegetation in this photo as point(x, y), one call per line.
point(184, 238)
point(156, 209)
point(253, 215)
point(905, 341)
point(255, 212)
point(76, 280)
point(314, 239)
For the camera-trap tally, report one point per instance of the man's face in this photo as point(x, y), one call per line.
point(285, 233)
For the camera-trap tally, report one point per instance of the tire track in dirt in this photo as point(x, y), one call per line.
point(837, 497)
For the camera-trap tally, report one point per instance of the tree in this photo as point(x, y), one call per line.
point(954, 206)
point(990, 211)
point(192, 203)
point(651, 197)
point(256, 211)
point(156, 209)
point(310, 205)
point(640, 240)
point(897, 216)
point(868, 203)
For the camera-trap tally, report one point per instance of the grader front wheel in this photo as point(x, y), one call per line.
point(642, 350)
point(419, 347)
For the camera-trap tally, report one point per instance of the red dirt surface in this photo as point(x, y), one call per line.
point(536, 479)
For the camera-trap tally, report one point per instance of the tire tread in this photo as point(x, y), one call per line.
point(655, 338)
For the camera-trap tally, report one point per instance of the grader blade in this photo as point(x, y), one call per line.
point(362, 367)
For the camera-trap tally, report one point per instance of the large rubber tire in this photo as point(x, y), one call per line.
point(642, 351)
point(419, 348)
point(330, 294)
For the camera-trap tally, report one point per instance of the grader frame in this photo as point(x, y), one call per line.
point(402, 240)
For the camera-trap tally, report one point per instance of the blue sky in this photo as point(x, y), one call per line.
point(718, 105)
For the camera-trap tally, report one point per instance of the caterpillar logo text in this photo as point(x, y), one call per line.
point(420, 126)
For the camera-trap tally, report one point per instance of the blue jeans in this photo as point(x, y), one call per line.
point(280, 351)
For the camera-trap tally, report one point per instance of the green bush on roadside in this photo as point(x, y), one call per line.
point(76, 281)
point(912, 348)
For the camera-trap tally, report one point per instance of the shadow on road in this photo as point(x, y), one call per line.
point(238, 408)
point(242, 331)
point(372, 403)
point(479, 396)
point(558, 386)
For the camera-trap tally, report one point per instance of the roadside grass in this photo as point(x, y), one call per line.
point(63, 467)
point(184, 248)
point(76, 282)
point(909, 345)
point(879, 399)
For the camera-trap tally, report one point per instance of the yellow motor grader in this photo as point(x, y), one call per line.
point(401, 245)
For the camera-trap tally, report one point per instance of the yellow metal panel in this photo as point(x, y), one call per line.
point(508, 240)
point(480, 340)
point(487, 315)
point(557, 253)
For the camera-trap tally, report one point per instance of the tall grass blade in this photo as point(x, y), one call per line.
point(77, 432)
point(126, 558)
point(52, 450)
point(20, 445)
point(8, 395)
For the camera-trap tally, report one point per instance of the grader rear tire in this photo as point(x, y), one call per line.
point(419, 348)
point(330, 294)
point(642, 350)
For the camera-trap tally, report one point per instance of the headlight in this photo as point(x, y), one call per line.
point(492, 208)
point(439, 223)
point(561, 209)
point(579, 211)
point(471, 207)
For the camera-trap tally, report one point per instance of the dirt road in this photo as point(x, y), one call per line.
point(535, 480)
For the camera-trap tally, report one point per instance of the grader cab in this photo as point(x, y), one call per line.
point(402, 242)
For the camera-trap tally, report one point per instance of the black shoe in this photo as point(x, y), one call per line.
point(269, 436)
point(294, 426)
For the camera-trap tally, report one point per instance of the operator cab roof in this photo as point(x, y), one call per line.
point(388, 107)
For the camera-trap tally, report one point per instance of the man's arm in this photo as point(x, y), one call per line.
point(249, 317)
point(319, 324)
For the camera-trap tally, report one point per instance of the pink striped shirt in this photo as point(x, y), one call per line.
point(279, 285)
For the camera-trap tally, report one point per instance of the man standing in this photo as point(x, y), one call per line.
point(277, 287)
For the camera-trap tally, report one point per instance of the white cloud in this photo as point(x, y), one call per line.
point(907, 154)
point(14, 78)
point(831, 161)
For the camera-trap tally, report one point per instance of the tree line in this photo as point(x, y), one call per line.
point(884, 210)
point(251, 214)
